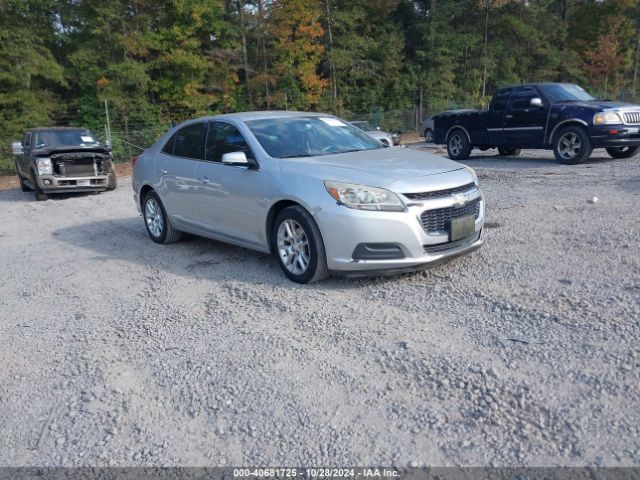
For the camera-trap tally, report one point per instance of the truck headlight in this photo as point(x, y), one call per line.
point(361, 197)
point(44, 166)
point(607, 118)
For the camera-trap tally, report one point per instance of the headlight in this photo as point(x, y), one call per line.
point(473, 174)
point(606, 118)
point(44, 166)
point(361, 197)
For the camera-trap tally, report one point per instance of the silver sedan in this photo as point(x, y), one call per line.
point(316, 192)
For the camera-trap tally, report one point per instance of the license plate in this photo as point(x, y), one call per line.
point(462, 227)
point(83, 183)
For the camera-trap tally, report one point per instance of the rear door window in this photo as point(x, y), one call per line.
point(500, 100)
point(189, 141)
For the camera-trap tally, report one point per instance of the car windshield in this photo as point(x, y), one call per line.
point(309, 136)
point(64, 138)
point(365, 126)
point(560, 92)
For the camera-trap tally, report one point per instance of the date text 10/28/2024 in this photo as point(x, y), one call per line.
point(315, 472)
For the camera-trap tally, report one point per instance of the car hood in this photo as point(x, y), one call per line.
point(601, 105)
point(402, 169)
point(70, 149)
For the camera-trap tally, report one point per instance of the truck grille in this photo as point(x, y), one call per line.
point(78, 168)
point(632, 118)
point(440, 193)
point(436, 220)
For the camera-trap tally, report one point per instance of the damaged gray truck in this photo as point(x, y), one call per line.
point(62, 160)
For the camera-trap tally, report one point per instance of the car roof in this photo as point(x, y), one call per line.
point(531, 85)
point(268, 114)
point(52, 129)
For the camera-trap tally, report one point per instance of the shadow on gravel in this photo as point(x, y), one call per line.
point(497, 161)
point(125, 239)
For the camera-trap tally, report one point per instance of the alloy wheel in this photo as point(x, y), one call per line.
point(569, 145)
point(154, 218)
point(293, 246)
point(456, 145)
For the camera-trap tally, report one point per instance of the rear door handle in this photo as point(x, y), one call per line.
point(508, 117)
point(163, 171)
point(205, 180)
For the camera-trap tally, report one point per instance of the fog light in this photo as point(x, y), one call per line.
point(47, 182)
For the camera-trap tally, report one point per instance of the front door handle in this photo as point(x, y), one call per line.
point(508, 117)
point(163, 171)
point(205, 180)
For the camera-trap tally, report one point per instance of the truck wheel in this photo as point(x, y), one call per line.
point(622, 152)
point(458, 146)
point(572, 145)
point(40, 195)
point(112, 182)
point(509, 152)
point(23, 186)
point(428, 135)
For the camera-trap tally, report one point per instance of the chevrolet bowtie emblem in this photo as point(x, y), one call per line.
point(459, 200)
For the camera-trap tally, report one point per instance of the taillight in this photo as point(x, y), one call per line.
point(134, 160)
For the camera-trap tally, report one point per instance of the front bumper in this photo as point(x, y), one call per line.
point(58, 184)
point(344, 231)
point(605, 136)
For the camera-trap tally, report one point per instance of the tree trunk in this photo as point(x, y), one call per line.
point(486, 49)
point(263, 49)
point(564, 10)
point(635, 69)
point(245, 57)
point(332, 66)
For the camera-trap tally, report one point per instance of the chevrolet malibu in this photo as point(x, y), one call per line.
point(313, 190)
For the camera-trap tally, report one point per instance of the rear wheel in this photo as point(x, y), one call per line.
point(298, 246)
point(508, 152)
point(428, 135)
point(622, 152)
point(156, 220)
point(572, 145)
point(458, 146)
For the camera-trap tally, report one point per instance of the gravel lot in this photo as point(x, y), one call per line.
point(118, 351)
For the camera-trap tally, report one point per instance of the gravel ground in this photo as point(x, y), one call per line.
point(118, 351)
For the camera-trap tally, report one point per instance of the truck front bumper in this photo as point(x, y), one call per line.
point(605, 136)
point(57, 184)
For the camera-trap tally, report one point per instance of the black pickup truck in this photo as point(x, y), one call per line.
point(554, 116)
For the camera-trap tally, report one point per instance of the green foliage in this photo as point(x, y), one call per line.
point(157, 62)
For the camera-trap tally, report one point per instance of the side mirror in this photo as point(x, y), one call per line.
point(16, 148)
point(238, 159)
point(536, 102)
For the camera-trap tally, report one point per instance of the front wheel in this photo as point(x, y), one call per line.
point(298, 246)
point(40, 195)
point(156, 220)
point(112, 182)
point(508, 152)
point(572, 145)
point(622, 152)
point(458, 146)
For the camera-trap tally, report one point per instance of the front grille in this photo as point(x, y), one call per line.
point(440, 193)
point(632, 118)
point(436, 220)
point(78, 168)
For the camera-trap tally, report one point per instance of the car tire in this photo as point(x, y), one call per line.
point(572, 145)
point(23, 186)
point(458, 146)
point(509, 152)
point(623, 152)
point(112, 182)
point(298, 246)
point(40, 195)
point(157, 221)
point(428, 135)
